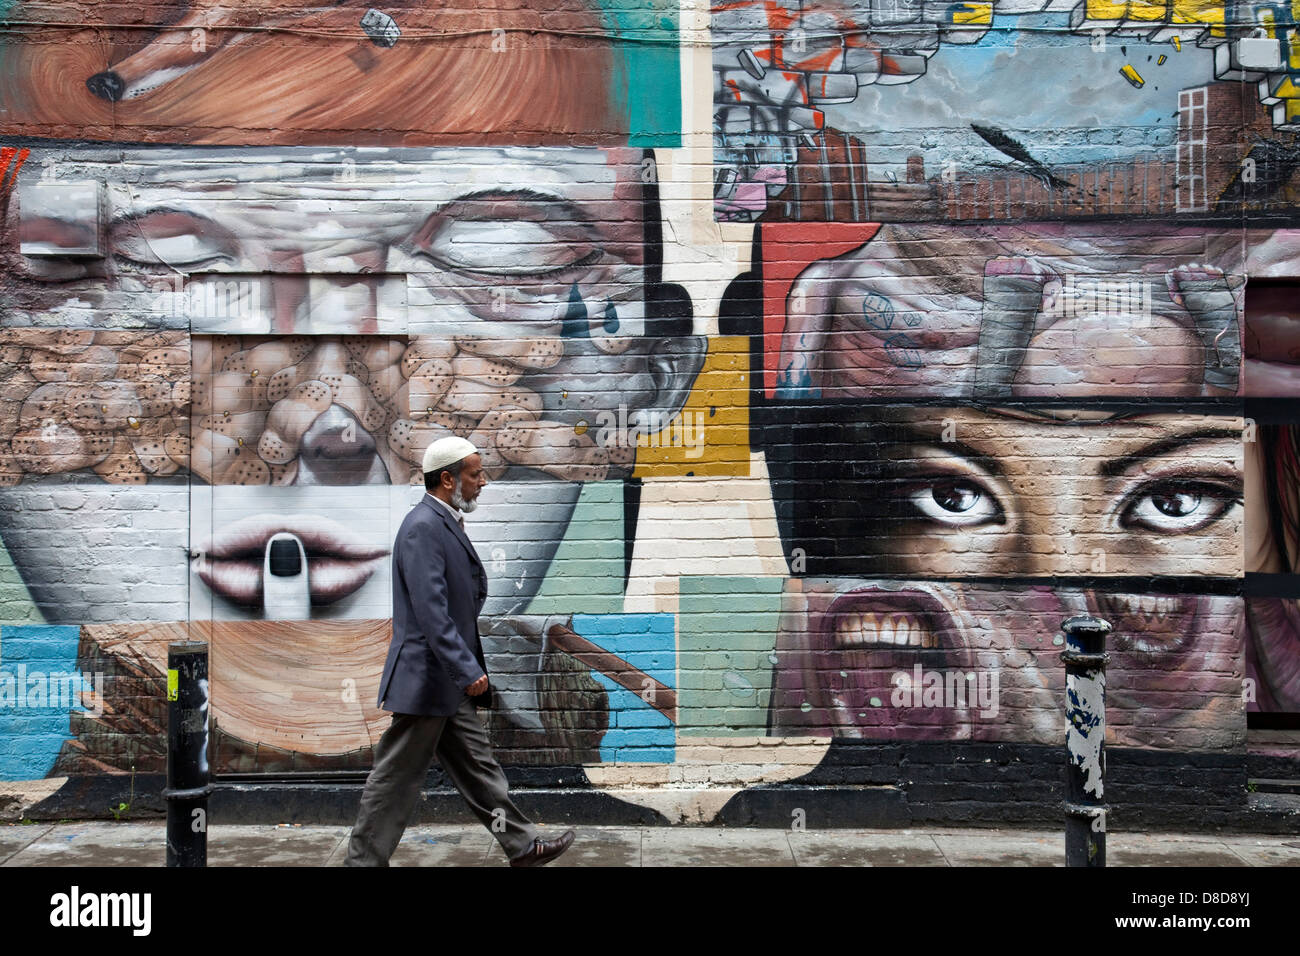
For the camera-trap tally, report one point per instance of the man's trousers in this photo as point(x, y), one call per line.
point(402, 759)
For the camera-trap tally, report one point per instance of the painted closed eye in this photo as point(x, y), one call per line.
point(507, 248)
point(165, 239)
point(1178, 506)
point(957, 502)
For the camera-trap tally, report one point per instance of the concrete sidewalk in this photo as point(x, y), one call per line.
point(142, 844)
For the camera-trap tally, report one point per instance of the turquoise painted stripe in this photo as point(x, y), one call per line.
point(38, 674)
point(637, 732)
point(647, 66)
point(5, 7)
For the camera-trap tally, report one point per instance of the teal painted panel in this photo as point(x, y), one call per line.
point(648, 68)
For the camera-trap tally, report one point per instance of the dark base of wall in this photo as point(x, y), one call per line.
point(1273, 767)
point(972, 784)
point(856, 785)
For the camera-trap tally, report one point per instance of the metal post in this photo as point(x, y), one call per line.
point(188, 781)
point(1085, 739)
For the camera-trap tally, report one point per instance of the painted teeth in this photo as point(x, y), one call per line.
point(1148, 604)
point(893, 630)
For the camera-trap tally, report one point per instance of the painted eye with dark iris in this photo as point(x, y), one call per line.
point(957, 502)
point(1178, 504)
point(1177, 507)
point(955, 496)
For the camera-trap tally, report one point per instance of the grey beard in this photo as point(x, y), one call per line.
point(460, 504)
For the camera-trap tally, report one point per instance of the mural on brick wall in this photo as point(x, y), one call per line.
point(277, 372)
point(1273, 339)
point(968, 497)
point(1023, 311)
point(901, 110)
point(1272, 474)
point(926, 660)
point(938, 491)
point(296, 71)
point(1056, 474)
point(983, 325)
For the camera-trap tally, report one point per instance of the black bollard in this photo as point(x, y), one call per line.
point(188, 776)
point(1085, 739)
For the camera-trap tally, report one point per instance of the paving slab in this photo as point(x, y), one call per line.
point(444, 845)
point(1261, 839)
point(15, 836)
point(281, 845)
point(865, 848)
point(1173, 853)
point(1169, 849)
point(96, 844)
point(1001, 848)
point(340, 853)
point(696, 846)
point(1267, 853)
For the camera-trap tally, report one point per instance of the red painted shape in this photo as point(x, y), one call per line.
point(7, 155)
point(788, 249)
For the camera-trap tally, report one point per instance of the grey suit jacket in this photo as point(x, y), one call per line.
point(439, 587)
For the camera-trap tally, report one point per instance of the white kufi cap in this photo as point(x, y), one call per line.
point(446, 451)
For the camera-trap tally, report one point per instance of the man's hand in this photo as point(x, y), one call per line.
point(480, 686)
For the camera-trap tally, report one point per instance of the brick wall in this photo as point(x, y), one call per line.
point(990, 321)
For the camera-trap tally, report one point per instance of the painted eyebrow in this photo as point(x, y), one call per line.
point(134, 217)
point(572, 211)
point(1117, 466)
point(955, 448)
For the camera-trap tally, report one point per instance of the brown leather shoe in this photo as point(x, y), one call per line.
point(544, 851)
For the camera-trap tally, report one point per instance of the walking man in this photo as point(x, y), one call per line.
point(435, 677)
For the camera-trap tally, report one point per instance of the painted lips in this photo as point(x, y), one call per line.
point(864, 643)
point(338, 563)
point(868, 637)
point(876, 619)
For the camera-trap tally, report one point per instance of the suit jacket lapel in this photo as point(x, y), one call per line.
point(456, 530)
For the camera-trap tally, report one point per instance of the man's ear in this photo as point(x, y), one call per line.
point(675, 355)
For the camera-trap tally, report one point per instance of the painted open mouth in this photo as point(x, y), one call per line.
point(1148, 623)
point(867, 645)
point(338, 564)
point(875, 619)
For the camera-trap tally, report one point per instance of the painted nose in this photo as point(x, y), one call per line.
point(1060, 539)
point(337, 450)
point(308, 303)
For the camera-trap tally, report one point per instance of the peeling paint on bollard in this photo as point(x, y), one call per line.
point(1085, 739)
point(1085, 736)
